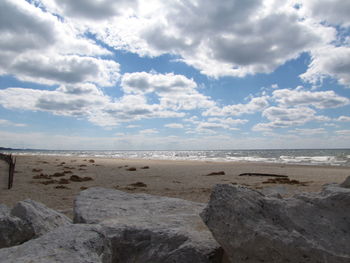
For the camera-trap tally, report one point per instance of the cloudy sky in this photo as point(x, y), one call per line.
point(177, 74)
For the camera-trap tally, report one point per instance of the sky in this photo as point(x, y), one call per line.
point(174, 75)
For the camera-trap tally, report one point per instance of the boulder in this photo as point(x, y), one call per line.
point(68, 244)
point(346, 183)
point(13, 231)
point(146, 228)
point(38, 217)
point(310, 227)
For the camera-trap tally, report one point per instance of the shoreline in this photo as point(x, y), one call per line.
point(313, 157)
point(185, 179)
point(323, 165)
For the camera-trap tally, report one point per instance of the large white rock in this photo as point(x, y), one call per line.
point(13, 231)
point(146, 228)
point(28, 219)
point(69, 244)
point(39, 217)
point(306, 228)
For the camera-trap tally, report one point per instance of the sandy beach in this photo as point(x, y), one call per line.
point(56, 180)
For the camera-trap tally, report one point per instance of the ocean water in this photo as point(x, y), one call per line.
point(334, 157)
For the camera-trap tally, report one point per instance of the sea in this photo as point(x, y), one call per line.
point(327, 157)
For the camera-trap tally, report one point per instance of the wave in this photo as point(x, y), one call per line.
point(337, 157)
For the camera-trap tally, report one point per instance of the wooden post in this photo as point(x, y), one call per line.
point(12, 163)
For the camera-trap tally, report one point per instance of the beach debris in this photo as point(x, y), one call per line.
point(130, 188)
point(83, 165)
point(139, 184)
point(146, 228)
point(63, 181)
point(76, 178)
point(131, 169)
point(216, 173)
point(61, 187)
point(83, 187)
point(41, 176)
point(58, 175)
point(91, 161)
point(263, 174)
point(34, 170)
point(284, 181)
point(145, 167)
point(49, 182)
point(309, 227)
point(11, 161)
point(346, 183)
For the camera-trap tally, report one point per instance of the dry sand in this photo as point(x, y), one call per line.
point(183, 179)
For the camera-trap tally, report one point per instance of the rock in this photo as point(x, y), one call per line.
point(310, 227)
point(146, 228)
point(279, 191)
point(13, 231)
point(38, 217)
point(346, 183)
point(68, 244)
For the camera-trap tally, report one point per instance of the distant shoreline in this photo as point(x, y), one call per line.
point(318, 157)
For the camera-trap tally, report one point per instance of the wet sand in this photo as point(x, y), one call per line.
point(182, 179)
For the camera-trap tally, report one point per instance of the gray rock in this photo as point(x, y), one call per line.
point(274, 191)
point(39, 217)
point(13, 231)
point(146, 228)
point(69, 244)
point(346, 183)
point(306, 228)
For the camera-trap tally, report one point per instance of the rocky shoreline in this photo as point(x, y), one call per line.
point(242, 225)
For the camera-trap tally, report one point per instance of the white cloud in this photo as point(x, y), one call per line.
point(329, 61)
point(281, 117)
point(90, 9)
point(8, 123)
point(298, 97)
point(174, 125)
point(228, 121)
point(343, 132)
point(67, 69)
point(36, 46)
point(213, 125)
point(309, 132)
point(330, 11)
point(175, 92)
point(343, 118)
point(221, 38)
point(254, 105)
point(56, 102)
point(149, 131)
point(85, 101)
